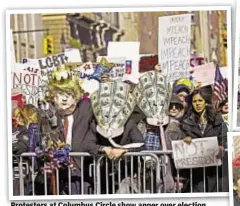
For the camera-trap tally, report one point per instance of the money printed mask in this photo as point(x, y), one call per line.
point(151, 95)
point(112, 105)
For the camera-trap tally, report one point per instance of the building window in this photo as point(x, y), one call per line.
point(116, 20)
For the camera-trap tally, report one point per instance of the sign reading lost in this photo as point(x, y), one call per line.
point(200, 153)
point(174, 45)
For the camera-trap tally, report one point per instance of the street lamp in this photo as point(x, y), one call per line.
point(63, 42)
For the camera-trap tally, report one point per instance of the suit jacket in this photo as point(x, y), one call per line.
point(130, 135)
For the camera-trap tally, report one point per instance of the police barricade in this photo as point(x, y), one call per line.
point(129, 174)
point(135, 172)
point(57, 176)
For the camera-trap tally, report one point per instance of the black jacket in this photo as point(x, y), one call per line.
point(218, 128)
point(21, 143)
point(192, 129)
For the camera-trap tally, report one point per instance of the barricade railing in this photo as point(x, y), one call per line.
point(135, 172)
point(128, 174)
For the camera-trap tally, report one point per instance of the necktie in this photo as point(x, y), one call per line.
point(65, 127)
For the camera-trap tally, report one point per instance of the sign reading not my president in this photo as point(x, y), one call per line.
point(200, 153)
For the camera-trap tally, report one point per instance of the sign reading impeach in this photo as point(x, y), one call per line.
point(200, 153)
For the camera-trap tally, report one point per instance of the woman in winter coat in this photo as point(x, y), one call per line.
point(204, 122)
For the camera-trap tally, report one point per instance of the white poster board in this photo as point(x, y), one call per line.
point(200, 153)
point(205, 74)
point(174, 40)
point(224, 72)
point(27, 81)
point(129, 50)
point(57, 60)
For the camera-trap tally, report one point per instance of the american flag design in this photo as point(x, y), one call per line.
point(128, 67)
point(220, 86)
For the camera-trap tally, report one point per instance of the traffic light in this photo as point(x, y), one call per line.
point(48, 47)
point(224, 36)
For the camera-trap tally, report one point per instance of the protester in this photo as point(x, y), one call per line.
point(204, 122)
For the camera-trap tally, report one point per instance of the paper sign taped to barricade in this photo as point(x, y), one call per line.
point(174, 39)
point(205, 73)
point(200, 153)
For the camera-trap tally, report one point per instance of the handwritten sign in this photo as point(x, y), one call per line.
point(57, 60)
point(118, 70)
point(174, 45)
point(196, 60)
point(27, 82)
point(205, 74)
point(200, 153)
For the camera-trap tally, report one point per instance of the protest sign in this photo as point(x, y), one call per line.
point(174, 45)
point(129, 50)
point(205, 73)
point(118, 70)
point(27, 82)
point(200, 153)
point(57, 60)
point(147, 62)
point(224, 72)
point(196, 59)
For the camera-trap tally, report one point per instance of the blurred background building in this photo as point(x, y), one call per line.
point(27, 35)
point(91, 32)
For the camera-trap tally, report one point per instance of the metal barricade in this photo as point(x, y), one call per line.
point(136, 172)
point(118, 172)
point(80, 174)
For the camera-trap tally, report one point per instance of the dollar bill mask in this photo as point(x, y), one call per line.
point(112, 105)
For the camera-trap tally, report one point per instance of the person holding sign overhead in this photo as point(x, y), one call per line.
point(202, 121)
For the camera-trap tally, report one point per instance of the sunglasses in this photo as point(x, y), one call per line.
point(176, 106)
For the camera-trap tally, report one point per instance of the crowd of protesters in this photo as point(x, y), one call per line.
point(191, 113)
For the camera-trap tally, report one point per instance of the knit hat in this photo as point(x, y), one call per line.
point(182, 84)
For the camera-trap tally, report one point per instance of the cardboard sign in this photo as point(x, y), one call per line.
point(118, 71)
point(129, 50)
point(57, 60)
point(200, 153)
point(27, 81)
point(174, 40)
point(205, 74)
point(148, 62)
